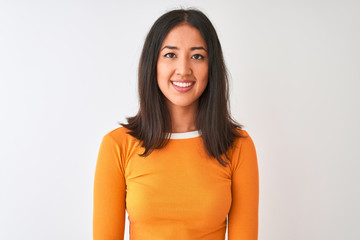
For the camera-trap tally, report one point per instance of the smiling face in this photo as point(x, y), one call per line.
point(183, 66)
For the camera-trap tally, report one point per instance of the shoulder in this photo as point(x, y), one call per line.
point(242, 132)
point(120, 136)
point(118, 133)
point(244, 138)
point(243, 148)
point(118, 142)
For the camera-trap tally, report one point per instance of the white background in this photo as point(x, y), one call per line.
point(68, 73)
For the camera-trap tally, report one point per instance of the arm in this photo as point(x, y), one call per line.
point(243, 215)
point(109, 193)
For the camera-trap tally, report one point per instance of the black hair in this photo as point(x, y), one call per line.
point(152, 124)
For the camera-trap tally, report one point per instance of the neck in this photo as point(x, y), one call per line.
point(183, 118)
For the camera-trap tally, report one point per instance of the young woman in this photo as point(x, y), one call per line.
point(182, 167)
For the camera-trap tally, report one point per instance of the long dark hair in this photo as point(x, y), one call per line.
point(152, 123)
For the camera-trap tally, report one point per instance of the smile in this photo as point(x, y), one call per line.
point(183, 86)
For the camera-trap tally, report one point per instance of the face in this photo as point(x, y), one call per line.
point(182, 67)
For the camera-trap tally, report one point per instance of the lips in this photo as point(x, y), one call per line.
point(183, 81)
point(183, 86)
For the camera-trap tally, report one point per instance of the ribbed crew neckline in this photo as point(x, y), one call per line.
point(185, 135)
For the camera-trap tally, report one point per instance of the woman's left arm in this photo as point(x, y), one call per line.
point(243, 215)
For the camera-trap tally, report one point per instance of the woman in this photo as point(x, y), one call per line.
point(181, 168)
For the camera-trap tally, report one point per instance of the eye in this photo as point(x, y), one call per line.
point(170, 55)
point(198, 57)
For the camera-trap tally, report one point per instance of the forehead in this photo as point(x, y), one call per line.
point(184, 35)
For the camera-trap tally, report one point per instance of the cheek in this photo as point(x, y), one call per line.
point(163, 77)
point(204, 73)
point(163, 72)
point(205, 78)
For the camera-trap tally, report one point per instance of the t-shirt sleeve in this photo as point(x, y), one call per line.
point(243, 215)
point(109, 192)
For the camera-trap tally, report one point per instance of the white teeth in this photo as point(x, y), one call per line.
point(180, 84)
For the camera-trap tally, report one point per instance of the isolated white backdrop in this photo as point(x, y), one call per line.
point(68, 74)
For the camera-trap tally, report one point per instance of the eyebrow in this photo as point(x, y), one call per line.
point(176, 48)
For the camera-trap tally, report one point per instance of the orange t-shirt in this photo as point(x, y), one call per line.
point(177, 192)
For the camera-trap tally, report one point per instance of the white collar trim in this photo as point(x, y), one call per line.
point(185, 135)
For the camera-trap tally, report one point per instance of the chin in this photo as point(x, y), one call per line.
point(181, 103)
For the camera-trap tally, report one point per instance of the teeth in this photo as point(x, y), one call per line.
point(180, 84)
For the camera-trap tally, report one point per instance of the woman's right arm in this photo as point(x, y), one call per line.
point(109, 193)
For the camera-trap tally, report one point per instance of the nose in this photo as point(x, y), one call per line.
point(183, 67)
